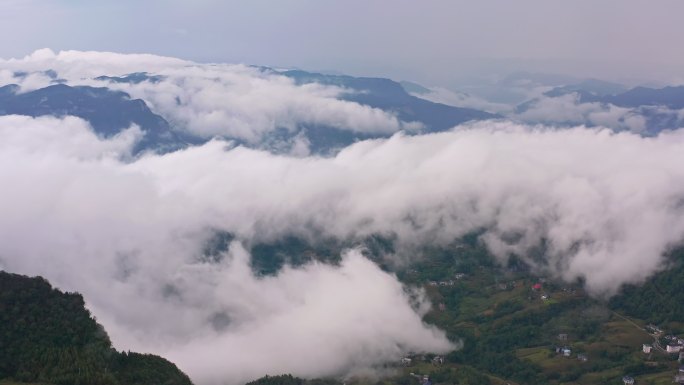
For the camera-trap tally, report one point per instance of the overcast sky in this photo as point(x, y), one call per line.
point(433, 41)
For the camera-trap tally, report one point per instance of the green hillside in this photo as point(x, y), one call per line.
point(49, 337)
point(511, 328)
point(509, 320)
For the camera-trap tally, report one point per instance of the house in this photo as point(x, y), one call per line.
point(537, 286)
point(459, 275)
point(545, 296)
point(566, 352)
point(563, 336)
point(646, 348)
point(441, 307)
point(679, 378)
point(653, 329)
point(438, 360)
point(406, 361)
point(432, 283)
point(582, 357)
point(628, 380)
point(673, 348)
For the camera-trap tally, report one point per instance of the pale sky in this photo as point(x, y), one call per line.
point(434, 41)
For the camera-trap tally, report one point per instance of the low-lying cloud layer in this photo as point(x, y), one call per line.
point(459, 99)
point(129, 232)
point(317, 321)
point(207, 100)
point(129, 235)
point(76, 214)
point(568, 111)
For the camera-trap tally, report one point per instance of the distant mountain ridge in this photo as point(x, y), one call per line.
point(658, 107)
point(391, 96)
point(670, 97)
point(133, 78)
point(108, 111)
point(596, 87)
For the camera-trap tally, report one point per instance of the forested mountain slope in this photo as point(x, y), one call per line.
point(50, 337)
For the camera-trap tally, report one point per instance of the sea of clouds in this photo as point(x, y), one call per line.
point(128, 233)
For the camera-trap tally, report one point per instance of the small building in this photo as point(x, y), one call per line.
point(459, 275)
point(653, 329)
point(563, 337)
point(545, 296)
point(406, 361)
point(646, 348)
point(438, 360)
point(582, 357)
point(566, 352)
point(628, 380)
point(673, 348)
point(681, 357)
point(679, 378)
point(537, 286)
point(441, 307)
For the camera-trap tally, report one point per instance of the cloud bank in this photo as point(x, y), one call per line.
point(77, 214)
point(461, 99)
point(128, 233)
point(315, 322)
point(207, 100)
point(568, 110)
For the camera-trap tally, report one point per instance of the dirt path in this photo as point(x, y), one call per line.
point(656, 342)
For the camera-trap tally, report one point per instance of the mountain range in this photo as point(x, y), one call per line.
point(110, 111)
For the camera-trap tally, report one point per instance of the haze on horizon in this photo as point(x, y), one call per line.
point(436, 42)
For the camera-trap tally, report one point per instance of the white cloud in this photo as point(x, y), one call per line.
point(314, 322)
point(73, 65)
point(542, 183)
point(510, 178)
point(68, 137)
point(128, 233)
point(464, 100)
point(76, 214)
point(238, 101)
point(567, 109)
